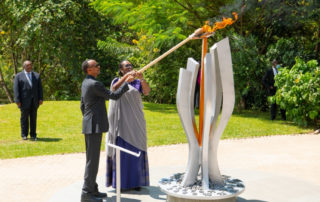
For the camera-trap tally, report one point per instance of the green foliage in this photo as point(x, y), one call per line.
point(299, 92)
point(264, 31)
point(285, 51)
point(59, 128)
point(166, 20)
point(7, 73)
point(56, 36)
point(248, 68)
point(154, 27)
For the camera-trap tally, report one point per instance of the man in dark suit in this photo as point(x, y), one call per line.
point(95, 122)
point(28, 96)
point(268, 82)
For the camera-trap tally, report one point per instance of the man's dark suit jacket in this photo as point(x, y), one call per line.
point(93, 105)
point(268, 81)
point(25, 94)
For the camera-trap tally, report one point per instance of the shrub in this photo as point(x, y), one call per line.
point(299, 92)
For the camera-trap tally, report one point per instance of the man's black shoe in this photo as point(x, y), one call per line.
point(100, 194)
point(33, 139)
point(89, 197)
point(24, 138)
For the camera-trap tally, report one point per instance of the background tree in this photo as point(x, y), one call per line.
point(161, 25)
point(56, 37)
point(265, 30)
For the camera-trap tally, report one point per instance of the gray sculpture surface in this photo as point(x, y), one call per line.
point(186, 87)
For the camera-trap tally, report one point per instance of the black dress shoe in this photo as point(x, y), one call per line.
point(24, 138)
point(100, 194)
point(89, 197)
point(137, 188)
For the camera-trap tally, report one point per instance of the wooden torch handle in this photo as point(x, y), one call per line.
point(196, 33)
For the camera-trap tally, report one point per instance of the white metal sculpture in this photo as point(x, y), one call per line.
point(218, 92)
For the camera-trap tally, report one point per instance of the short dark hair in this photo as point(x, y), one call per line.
point(85, 66)
point(120, 66)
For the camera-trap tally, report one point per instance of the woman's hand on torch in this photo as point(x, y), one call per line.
point(129, 79)
point(145, 86)
point(130, 76)
point(132, 73)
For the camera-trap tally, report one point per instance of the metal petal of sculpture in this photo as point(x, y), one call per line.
point(223, 64)
point(186, 112)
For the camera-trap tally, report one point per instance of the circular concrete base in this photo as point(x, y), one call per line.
point(176, 199)
point(195, 193)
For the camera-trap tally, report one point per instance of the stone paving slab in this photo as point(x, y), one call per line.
point(276, 169)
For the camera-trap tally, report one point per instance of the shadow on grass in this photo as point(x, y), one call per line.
point(48, 139)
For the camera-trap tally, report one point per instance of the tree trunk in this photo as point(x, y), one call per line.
point(4, 86)
point(241, 14)
point(13, 55)
point(15, 63)
point(316, 49)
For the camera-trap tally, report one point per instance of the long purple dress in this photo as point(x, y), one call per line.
point(134, 171)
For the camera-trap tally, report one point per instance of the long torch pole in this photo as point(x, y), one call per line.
point(201, 105)
point(197, 32)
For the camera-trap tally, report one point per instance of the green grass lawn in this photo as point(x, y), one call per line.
point(59, 128)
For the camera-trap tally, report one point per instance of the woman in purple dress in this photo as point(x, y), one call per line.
point(127, 128)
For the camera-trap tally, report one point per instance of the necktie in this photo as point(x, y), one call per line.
point(29, 75)
point(30, 78)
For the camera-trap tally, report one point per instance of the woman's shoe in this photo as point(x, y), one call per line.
point(137, 188)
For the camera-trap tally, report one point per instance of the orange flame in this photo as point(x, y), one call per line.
point(220, 25)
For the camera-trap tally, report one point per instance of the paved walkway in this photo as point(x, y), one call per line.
point(276, 169)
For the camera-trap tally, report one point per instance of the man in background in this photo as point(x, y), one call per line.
point(28, 96)
point(268, 82)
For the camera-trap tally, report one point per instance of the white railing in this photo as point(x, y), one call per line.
point(118, 165)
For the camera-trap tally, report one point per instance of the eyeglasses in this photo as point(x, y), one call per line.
point(97, 65)
point(128, 65)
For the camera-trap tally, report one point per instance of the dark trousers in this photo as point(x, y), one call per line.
point(93, 145)
point(29, 115)
point(273, 111)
